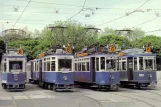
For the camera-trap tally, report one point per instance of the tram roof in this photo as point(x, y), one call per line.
point(96, 55)
point(59, 55)
point(137, 55)
point(134, 52)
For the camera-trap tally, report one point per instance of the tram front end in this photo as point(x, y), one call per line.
point(107, 75)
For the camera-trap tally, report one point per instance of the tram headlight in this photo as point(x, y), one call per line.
point(150, 76)
point(112, 77)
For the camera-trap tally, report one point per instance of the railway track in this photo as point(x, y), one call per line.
point(31, 100)
point(135, 99)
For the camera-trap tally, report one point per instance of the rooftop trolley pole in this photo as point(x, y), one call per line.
point(7, 32)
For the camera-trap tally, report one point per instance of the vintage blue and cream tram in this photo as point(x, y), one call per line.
point(97, 67)
point(137, 68)
point(13, 69)
point(54, 70)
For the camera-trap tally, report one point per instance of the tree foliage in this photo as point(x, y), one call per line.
point(77, 35)
point(154, 41)
point(2, 47)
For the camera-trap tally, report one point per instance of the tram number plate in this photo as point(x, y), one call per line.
point(141, 75)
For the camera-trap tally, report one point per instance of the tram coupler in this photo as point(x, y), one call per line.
point(152, 85)
point(114, 87)
point(64, 87)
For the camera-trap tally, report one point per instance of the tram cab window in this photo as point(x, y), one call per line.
point(44, 66)
point(15, 66)
point(48, 65)
point(141, 63)
point(102, 63)
point(135, 64)
point(53, 66)
point(148, 64)
point(110, 64)
point(65, 64)
point(124, 65)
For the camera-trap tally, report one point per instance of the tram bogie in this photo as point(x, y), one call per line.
point(138, 70)
point(13, 70)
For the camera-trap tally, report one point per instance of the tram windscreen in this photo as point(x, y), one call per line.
point(65, 64)
point(148, 64)
point(15, 66)
point(110, 64)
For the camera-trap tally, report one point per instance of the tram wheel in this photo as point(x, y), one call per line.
point(43, 86)
point(51, 87)
point(117, 88)
point(5, 86)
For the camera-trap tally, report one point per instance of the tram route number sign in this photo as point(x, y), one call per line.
point(68, 49)
point(148, 49)
point(20, 51)
point(112, 49)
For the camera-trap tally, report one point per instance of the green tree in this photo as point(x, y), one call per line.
point(114, 39)
point(2, 47)
point(74, 33)
point(154, 41)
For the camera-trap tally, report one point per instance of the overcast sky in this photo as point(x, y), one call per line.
point(39, 13)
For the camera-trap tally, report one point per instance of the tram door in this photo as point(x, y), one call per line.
point(32, 68)
point(93, 71)
point(130, 68)
point(40, 68)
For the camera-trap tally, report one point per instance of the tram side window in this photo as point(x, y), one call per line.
point(37, 66)
point(53, 66)
point(155, 64)
point(148, 64)
point(83, 66)
point(118, 64)
point(135, 64)
point(79, 66)
point(123, 65)
point(97, 64)
point(65, 64)
point(141, 63)
point(76, 66)
point(87, 66)
point(102, 63)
